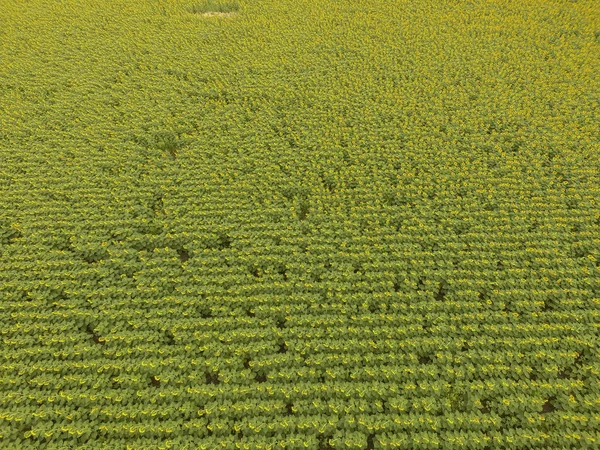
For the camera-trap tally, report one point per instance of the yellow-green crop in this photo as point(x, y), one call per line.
point(299, 224)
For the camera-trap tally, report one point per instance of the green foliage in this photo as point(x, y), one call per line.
point(324, 224)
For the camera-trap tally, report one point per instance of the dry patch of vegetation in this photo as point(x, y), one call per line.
point(213, 13)
point(211, 8)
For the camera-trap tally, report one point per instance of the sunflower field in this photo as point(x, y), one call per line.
point(300, 224)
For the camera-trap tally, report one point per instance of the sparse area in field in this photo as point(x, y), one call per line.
point(314, 224)
point(210, 8)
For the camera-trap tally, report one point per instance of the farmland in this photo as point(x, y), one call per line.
point(300, 224)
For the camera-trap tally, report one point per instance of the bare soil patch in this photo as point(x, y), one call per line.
point(218, 14)
point(215, 8)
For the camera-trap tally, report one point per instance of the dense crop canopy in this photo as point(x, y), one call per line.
point(300, 224)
